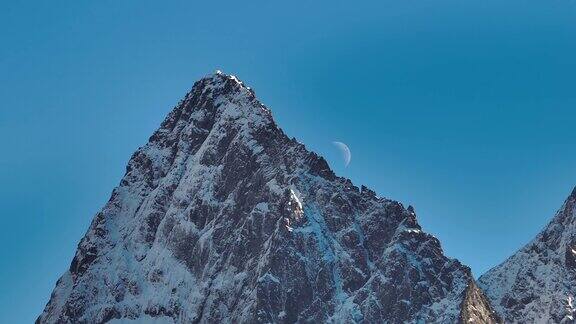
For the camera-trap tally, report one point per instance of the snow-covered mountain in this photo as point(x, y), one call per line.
point(538, 283)
point(221, 217)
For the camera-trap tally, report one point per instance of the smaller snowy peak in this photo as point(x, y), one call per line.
point(536, 284)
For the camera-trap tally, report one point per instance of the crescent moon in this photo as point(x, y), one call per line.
point(346, 154)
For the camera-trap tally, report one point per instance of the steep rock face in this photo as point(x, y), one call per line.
point(538, 283)
point(476, 308)
point(221, 217)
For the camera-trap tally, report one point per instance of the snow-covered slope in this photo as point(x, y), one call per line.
point(538, 283)
point(221, 217)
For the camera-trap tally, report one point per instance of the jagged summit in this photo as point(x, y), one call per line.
point(221, 79)
point(219, 84)
point(221, 217)
point(228, 76)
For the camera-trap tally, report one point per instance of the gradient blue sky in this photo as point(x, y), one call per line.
point(464, 109)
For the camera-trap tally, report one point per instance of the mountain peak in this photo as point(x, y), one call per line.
point(221, 217)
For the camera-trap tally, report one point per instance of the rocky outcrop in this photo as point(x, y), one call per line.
point(476, 308)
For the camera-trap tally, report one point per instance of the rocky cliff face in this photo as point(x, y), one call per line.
point(538, 283)
point(221, 217)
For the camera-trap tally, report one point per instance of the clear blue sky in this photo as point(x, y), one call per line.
point(464, 109)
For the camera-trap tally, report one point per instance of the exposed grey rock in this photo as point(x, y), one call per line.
point(221, 217)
